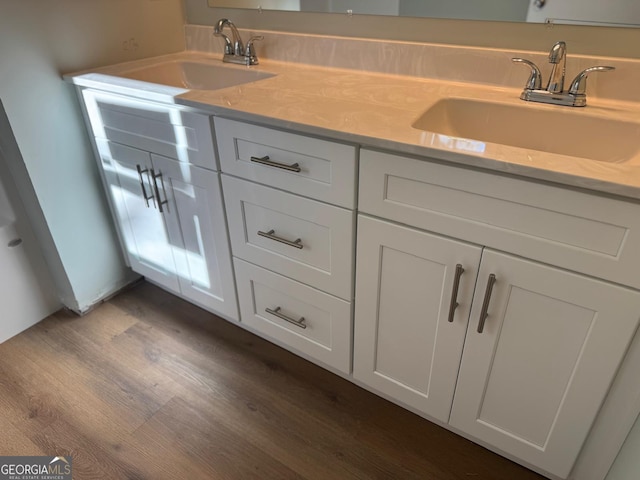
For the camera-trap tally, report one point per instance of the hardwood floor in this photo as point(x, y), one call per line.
point(150, 387)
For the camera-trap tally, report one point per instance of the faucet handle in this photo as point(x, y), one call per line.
point(579, 84)
point(535, 78)
point(250, 51)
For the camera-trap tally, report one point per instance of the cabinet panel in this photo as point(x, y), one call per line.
point(404, 344)
point(325, 233)
point(203, 257)
point(533, 381)
point(167, 130)
point(575, 230)
point(145, 235)
point(327, 169)
point(326, 335)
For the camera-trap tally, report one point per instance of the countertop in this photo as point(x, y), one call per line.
point(377, 110)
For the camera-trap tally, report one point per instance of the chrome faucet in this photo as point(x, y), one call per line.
point(558, 58)
point(555, 94)
point(234, 49)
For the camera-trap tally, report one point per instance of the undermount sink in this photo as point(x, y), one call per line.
point(559, 130)
point(195, 75)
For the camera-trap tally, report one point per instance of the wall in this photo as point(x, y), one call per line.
point(38, 42)
point(27, 291)
point(627, 465)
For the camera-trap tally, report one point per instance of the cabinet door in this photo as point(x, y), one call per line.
point(532, 381)
point(404, 344)
point(144, 232)
point(196, 223)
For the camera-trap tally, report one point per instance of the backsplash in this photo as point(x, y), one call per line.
point(433, 61)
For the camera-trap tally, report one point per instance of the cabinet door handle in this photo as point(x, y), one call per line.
point(144, 190)
point(297, 243)
point(155, 177)
point(276, 313)
point(454, 294)
point(485, 305)
point(295, 167)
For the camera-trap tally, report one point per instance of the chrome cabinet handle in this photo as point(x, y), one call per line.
point(155, 177)
point(270, 163)
point(270, 235)
point(144, 190)
point(485, 305)
point(276, 313)
point(454, 294)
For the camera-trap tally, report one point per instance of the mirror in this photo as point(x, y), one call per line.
point(620, 13)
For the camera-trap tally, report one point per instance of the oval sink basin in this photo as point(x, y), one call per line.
point(195, 75)
point(560, 130)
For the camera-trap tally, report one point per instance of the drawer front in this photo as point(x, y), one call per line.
point(298, 317)
point(326, 169)
point(154, 127)
point(579, 231)
point(309, 241)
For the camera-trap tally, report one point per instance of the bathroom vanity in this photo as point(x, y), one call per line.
point(489, 287)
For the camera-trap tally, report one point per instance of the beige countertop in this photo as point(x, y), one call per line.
point(377, 110)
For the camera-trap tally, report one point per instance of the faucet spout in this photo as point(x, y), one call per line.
point(557, 57)
point(238, 47)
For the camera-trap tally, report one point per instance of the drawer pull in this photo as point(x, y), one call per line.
point(270, 163)
point(155, 186)
point(144, 190)
point(485, 305)
point(454, 294)
point(276, 313)
point(270, 235)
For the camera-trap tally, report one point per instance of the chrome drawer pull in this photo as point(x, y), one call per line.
point(270, 163)
point(454, 295)
point(155, 186)
point(144, 190)
point(270, 235)
point(276, 313)
point(485, 305)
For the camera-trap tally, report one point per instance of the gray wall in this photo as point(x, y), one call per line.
point(38, 42)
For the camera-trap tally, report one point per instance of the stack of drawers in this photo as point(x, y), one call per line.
point(290, 203)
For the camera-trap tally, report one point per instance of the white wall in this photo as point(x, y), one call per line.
point(40, 40)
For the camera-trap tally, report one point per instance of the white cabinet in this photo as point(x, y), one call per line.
point(201, 249)
point(320, 169)
point(532, 381)
point(295, 315)
point(533, 375)
point(408, 334)
point(542, 345)
point(307, 240)
point(144, 231)
point(172, 224)
point(292, 229)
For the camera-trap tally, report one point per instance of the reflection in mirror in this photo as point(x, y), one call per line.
point(622, 13)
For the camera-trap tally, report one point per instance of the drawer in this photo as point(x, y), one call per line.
point(264, 225)
point(296, 316)
point(583, 232)
point(167, 130)
point(327, 170)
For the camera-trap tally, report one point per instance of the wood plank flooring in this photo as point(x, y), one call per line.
point(148, 386)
